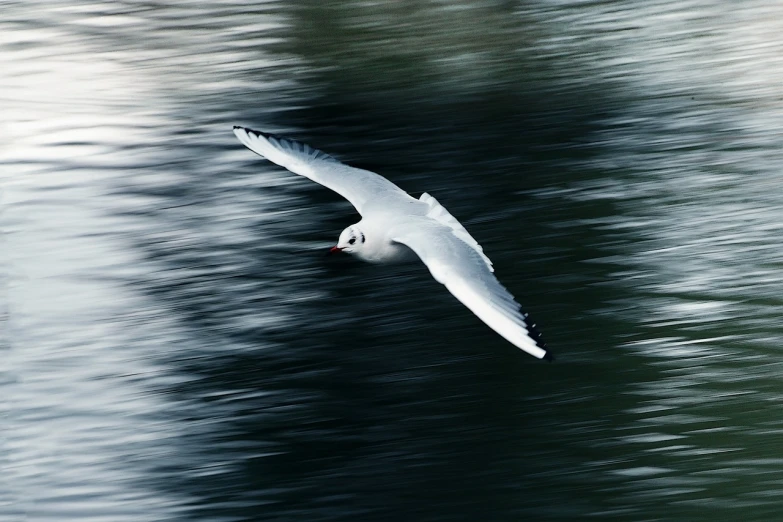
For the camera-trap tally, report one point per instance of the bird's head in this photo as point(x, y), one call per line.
point(351, 240)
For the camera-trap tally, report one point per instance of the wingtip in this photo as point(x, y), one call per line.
point(533, 332)
point(536, 336)
point(258, 133)
point(246, 130)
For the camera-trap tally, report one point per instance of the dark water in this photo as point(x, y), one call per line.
point(176, 347)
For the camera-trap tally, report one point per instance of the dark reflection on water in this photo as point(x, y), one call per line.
point(180, 348)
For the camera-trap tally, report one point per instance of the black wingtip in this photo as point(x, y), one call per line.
point(258, 133)
point(247, 130)
point(548, 357)
point(533, 332)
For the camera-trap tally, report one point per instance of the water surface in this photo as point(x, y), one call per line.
point(176, 347)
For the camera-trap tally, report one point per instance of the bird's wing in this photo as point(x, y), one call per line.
point(356, 185)
point(458, 265)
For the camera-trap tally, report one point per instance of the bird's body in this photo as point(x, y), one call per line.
point(379, 246)
point(396, 227)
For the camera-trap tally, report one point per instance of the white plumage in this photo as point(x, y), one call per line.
point(393, 224)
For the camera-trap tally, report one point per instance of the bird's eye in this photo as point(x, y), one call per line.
point(352, 241)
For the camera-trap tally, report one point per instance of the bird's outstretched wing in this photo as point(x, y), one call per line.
point(462, 270)
point(356, 185)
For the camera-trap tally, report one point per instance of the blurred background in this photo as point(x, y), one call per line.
point(175, 346)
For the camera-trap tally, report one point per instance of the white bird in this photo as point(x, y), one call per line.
point(393, 223)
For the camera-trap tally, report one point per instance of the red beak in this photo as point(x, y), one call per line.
point(335, 250)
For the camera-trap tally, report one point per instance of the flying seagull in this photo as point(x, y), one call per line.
point(394, 224)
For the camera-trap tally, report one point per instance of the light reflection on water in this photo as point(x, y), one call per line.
point(179, 348)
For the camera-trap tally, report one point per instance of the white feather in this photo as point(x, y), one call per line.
point(391, 218)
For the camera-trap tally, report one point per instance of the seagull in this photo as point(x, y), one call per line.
point(396, 226)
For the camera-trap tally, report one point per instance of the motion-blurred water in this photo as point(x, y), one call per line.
point(175, 346)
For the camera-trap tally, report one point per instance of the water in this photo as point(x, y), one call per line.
point(176, 347)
